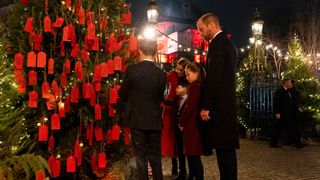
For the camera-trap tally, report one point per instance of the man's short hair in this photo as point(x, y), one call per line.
point(148, 47)
point(209, 17)
point(285, 80)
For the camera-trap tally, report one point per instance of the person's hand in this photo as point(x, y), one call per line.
point(300, 109)
point(180, 127)
point(278, 116)
point(205, 115)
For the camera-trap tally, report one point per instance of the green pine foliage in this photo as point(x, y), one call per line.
point(307, 83)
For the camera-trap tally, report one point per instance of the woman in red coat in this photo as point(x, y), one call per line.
point(170, 111)
point(190, 119)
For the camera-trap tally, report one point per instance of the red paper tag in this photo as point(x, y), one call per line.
point(89, 134)
point(79, 70)
point(18, 61)
point(71, 164)
point(74, 94)
point(40, 175)
point(32, 59)
point(22, 87)
point(67, 66)
point(75, 51)
point(33, 97)
point(45, 90)
point(84, 55)
point(79, 158)
point(76, 148)
point(29, 25)
point(102, 160)
point(94, 162)
point(110, 66)
point(55, 122)
point(68, 3)
point(104, 69)
point(64, 82)
point(51, 66)
point(62, 49)
point(51, 102)
point(47, 24)
point(87, 89)
point(37, 42)
point(97, 86)
point(81, 16)
point(109, 137)
point(67, 104)
point(98, 133)
point(65, 35)
point(51, 143)
point(117, 63)
point(51, 162)
point(93, 99)
point(89, 17)
point(42, 59)
point(32, 77)
point(111, 111)
point(61, 109)
point(116, 132)
point(133, 43)
point(127, 18)
point(91, 31)
point(56, 168)
point(43, 133)
point(97, 112)
point(55, 88)
point(97, 73)
point(95, 46)
point(126, 136)
point(113, 95)
point(18, 76)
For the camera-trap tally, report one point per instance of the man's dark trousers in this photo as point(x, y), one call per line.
point(144, 141)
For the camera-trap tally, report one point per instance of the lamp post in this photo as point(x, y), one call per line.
point(257, 28)
point(152, 12)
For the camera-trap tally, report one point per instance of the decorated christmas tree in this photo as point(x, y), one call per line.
point(298, 68)
point(68, 58)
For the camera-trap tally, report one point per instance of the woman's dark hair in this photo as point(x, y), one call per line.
point(197, 68)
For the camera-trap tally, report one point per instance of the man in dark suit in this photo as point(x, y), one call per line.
point(143, 91)
point(219, 96)
point(283, 109)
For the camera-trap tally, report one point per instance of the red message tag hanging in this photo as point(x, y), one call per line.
point(47, 24)
point(117, 63)
point(42, 59)
point(61, 109)
point(97, 73)
point(91, 31)
point(76, 148)
point(43, 133)
point(55, 88)
point(102, 160)
point(58, 23)
point(113, 95)
point(110, 66)
point(84, 55)
point(32, 59)
point(109, 137)
point(97, 112)
point(97, 86)
point(98, 133)
point(18, 61)
point(57, 168)
point(67, 104)
point(45, 90)
point(55, 121)
point(67, 66)
point(111, 111)
point(126, 136)
point(51, 66)
point(29, 27)
point(51, 102)
point(94, 162)
point(104, 69)
point(93, 99)
point(127, 18)
point(32, 77)
point(81, 16)
point(71, 164)
point(40, 175)
point(33, 97)
point(74, 94)
point(116, 132)
point(64, 81)
point(51, 143)
point(79, 158)
point(133, 43)
point(51, 161)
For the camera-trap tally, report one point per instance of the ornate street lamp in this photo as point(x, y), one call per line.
point(152, 12)
point(257, 24)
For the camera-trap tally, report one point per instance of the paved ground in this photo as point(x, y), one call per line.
point(257, 161)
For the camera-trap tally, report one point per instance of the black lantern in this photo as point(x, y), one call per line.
point(152, 12)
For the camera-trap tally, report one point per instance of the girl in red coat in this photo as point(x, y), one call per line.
point(170, 112)
point(189, 121)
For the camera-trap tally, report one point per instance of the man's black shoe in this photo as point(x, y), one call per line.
point(300, 145)
point(181, 177)
point(275, 146)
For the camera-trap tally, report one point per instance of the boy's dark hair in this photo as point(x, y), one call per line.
point(183, 83)
point(148, 47)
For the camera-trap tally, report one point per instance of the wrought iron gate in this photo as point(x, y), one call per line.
point(261, 110)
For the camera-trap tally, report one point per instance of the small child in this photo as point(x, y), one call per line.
point(182, 93)
point(189, 121)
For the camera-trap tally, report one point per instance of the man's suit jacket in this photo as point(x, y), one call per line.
point(219, 97)
point(283, 104)
point(142, 91)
